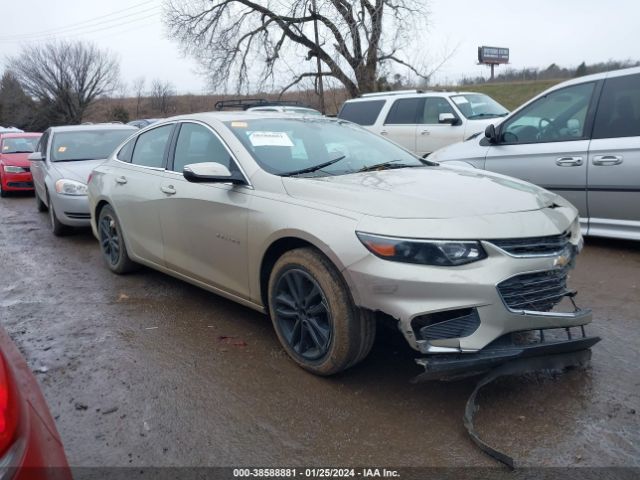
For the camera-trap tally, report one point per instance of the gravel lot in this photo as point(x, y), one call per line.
point(147, 370)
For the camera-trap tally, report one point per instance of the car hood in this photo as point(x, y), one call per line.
point(15, 159)
point(427, 192)
point(78, 170)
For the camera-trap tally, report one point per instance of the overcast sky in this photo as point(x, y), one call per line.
point(538, 33)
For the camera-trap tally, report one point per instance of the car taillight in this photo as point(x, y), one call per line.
point(8, 408)
point(89, 179)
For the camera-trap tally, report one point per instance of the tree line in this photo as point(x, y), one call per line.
point(552, 72)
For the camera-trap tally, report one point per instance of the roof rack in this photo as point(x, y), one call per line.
point(245, 103)
point(393, 92)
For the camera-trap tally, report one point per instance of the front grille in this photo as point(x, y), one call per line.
point(448, 324)
point(539, 291)
point(20, 184)
point(78, 216)
point(550, 245)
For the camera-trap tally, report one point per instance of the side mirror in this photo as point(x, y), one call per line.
point(449, 118)
point(210, 172)
point(491, 134)
point(35, 157)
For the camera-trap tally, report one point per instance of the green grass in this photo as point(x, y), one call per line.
point(512, 94)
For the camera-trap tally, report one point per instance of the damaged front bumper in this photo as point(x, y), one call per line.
point(514, 346)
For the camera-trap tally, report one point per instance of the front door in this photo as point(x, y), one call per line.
point(204, 225)
point(547, 144)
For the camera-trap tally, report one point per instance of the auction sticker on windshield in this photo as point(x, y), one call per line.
point(270, 139)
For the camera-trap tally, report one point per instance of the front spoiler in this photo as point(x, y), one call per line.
point(451, 366)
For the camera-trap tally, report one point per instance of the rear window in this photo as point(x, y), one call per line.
point(619, 109)
point(362, 113)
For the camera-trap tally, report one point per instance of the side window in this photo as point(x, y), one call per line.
point(433, 107)
point(150, 147)
point(125, 152)
point(362, 113)
point(558, 116)
point(619, 108)
point(404, 111)
point(196, 144)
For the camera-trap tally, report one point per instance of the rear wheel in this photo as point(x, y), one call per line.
point(313, 314)
point(114, 251)
point(57, 228)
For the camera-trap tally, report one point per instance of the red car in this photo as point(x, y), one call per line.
point(15, 174)
point(30, 445)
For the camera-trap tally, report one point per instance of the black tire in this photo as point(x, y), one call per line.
point(314, 316)
point(112, 245)
point(40, 205)
point(3, 193)
point(57, 228)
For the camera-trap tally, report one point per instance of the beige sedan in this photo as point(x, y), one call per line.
point(330, 229)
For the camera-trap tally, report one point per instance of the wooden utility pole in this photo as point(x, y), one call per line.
point(319, 63)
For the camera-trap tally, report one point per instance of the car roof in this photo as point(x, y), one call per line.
point(230, 116)
point(19, 135)
point(367, 97)
point(92, 127)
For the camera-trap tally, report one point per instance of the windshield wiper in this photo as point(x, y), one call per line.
point(389, 165)
point(19, 151)
point(315, 168)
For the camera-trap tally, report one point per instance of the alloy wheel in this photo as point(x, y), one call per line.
point(303, 314)
point(109, 239)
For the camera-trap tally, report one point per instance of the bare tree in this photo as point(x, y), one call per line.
point(67, 76)
point(138, 90)
point(239, 39)
point(162, 96)
point(16, 108)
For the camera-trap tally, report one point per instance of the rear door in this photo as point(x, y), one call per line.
point(547, 143)
point(614, 160)
point(136, 191)
point(204, 225)
point(401, 123)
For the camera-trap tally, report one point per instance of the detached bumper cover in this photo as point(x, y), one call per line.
point(501, 351)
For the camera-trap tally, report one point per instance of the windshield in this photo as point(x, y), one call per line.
point(478, 105)
point(86, 144)
point(19, 144)
point(288, 146)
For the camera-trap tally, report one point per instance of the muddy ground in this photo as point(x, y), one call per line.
point(147, 370)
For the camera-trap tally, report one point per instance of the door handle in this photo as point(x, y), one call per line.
point(425, 132)
point(121, 180)
point(569, 161)
point(383, 132)
point(168, 189)
point(607, 160)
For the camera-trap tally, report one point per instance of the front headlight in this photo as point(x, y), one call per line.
point(442, 253)
point(70, 187)
point(12, 169)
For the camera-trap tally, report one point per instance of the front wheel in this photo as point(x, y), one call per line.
point(114, 251)
point(314, 316)
point(57, 228)
point(40, 205)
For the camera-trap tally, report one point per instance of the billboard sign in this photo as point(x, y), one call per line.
point(493, 55)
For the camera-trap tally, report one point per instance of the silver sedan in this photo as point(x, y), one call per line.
point(326, 227)
point(61, 164)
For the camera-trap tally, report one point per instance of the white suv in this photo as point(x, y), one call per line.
point(423, 122)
